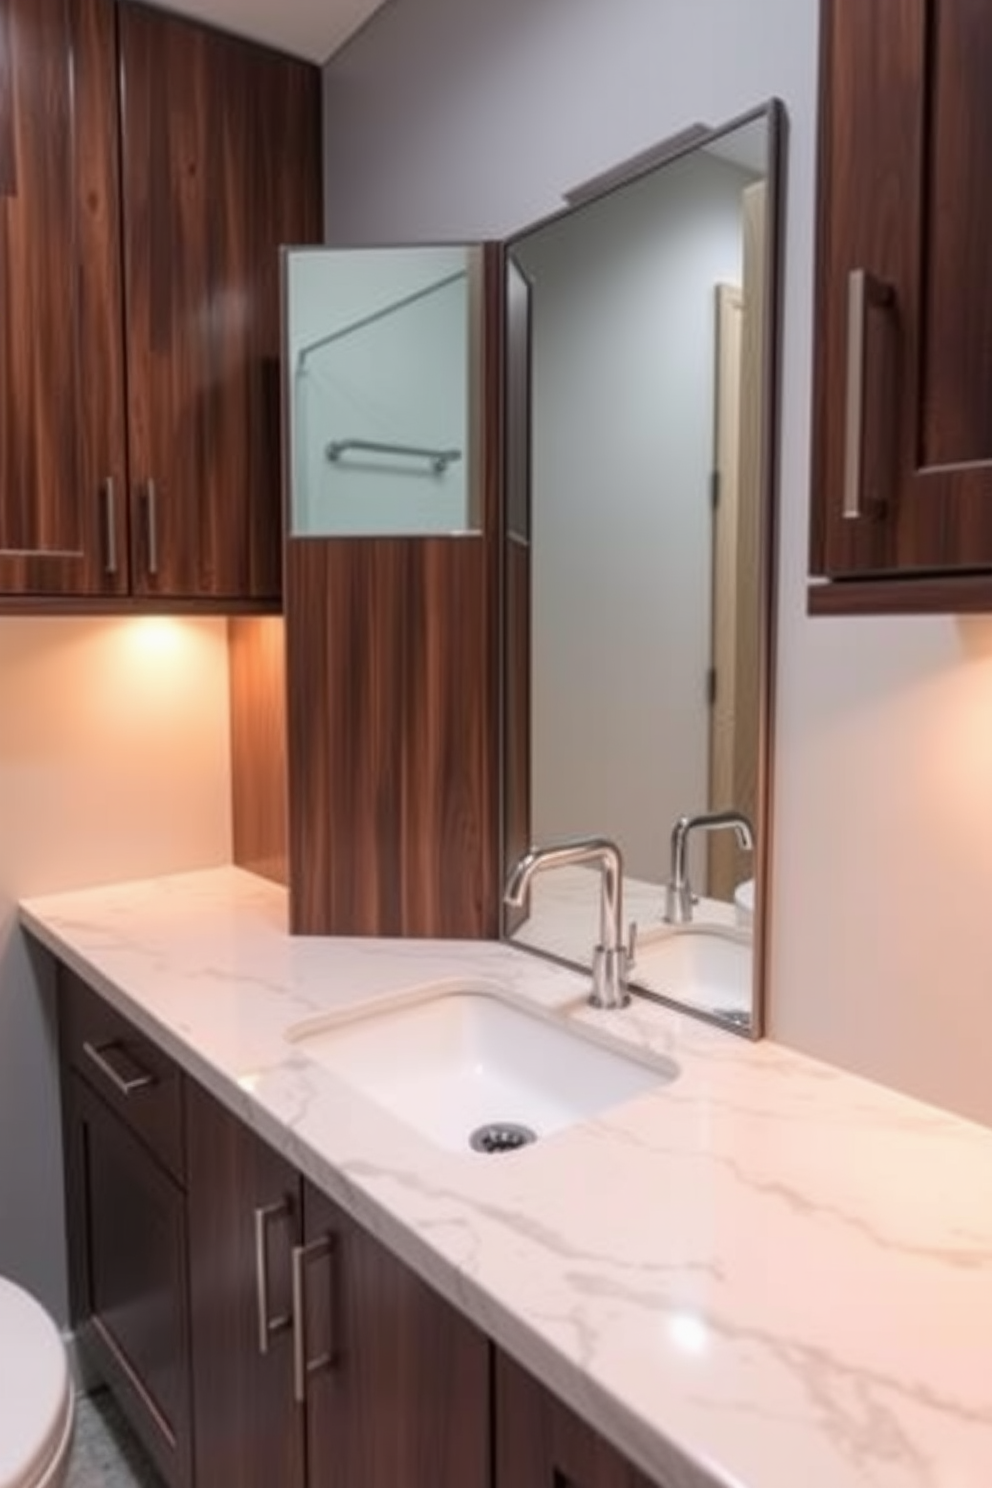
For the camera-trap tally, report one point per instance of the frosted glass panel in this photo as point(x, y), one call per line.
point(381, 347)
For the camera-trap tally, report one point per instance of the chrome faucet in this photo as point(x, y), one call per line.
point(678, 891)
point(612, 958)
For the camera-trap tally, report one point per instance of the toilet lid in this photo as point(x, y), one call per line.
point(35, 1393)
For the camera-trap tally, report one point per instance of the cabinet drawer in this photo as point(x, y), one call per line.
point(127, 1070)
point(127, 1244)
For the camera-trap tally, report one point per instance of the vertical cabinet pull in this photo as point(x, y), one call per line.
point(864, 291)
point(151, 526)
point(109, 494)
point(99, 1054)
point(303, 1366)
point(267, 1325)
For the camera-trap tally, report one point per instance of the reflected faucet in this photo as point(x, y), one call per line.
point(612, 959)
point(678, 891)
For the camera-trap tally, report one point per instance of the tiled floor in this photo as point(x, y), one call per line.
point(104, 1453)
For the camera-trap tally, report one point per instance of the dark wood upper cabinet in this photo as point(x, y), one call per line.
point(63, 478)
point(220, 164)
point(902, 454)
point(150, 169)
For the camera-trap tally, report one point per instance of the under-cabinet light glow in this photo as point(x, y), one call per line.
point(156, 636)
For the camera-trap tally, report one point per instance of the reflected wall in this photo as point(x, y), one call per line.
point(638, 562)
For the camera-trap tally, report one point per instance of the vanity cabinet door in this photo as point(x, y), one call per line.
point(398, 1381)
point(126, 1220)
point(221, 165)
point(902, 459)
point(62, 462)
point(244, 1219)
point(540, 1443)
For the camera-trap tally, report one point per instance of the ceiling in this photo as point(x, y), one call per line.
point(307, 28)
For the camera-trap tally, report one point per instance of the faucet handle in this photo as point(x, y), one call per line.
point(631, 945)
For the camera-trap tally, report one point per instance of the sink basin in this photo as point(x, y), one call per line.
point(709, 966)
point(463, 1063)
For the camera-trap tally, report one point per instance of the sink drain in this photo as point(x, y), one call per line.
point(501, 1136)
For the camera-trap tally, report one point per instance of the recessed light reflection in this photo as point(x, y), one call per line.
point(249, 1081)
point(689, 1333)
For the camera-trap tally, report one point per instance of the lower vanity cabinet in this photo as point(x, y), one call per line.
point(540, 1443)
point(398, 1385)
point(245, 1218)
point(126, 1222)
point(254, 1334)
point(318, 1357)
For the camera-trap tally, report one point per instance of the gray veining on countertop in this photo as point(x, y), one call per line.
point(767, 1271)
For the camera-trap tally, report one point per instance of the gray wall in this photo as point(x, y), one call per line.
point(462, 118)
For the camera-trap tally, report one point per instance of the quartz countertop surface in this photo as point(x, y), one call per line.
point(764, 1274)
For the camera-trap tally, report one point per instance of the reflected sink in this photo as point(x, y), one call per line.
point(461, 1062)
point(707, 965)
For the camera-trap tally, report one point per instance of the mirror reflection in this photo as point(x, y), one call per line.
point(381, 354)
point(638, 588)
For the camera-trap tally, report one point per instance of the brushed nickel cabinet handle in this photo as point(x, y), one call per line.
point(151, 526)
point(126, 1085)
point(109, 493)
point(863, 291)
point(267, 1325)
point(303, 1367)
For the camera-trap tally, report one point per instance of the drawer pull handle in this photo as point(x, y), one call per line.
point(267, 1325)
point(151, 519)
point(863, 290)
point(110, 525)
point(124, 1084)
point(303, 1367)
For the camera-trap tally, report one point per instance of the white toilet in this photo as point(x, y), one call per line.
point(36, 1396)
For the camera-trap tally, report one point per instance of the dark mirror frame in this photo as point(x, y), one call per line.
point(516, 575)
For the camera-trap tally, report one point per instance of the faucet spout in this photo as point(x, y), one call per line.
point(678, 891)
point(612, 955)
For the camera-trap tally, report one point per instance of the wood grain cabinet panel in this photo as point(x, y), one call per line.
point(126, 1221)
point(63, 478)
point(150, 170)
point(902, 468)
point(392, 666)
point(540, 1443)
point(245, 1216)
point(401, 1399)
point(220, 168)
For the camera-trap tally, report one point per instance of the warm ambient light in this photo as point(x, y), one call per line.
point(155, 635)
point(689, 1333)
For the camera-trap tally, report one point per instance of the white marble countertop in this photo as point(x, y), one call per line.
point(766, 1274)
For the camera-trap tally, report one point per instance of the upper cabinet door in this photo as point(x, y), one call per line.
point(902, 468)
point(62, 473)
point(221, 144)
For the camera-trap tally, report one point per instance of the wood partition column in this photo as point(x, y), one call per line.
point(393, 710)
point(258, 745)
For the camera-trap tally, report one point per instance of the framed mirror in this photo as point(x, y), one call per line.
point(641, 336)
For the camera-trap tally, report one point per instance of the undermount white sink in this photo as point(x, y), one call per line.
point(460, 1060)
point(707, 965)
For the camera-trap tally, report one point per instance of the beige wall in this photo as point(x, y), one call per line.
point(882, 932)
point(114, 763)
